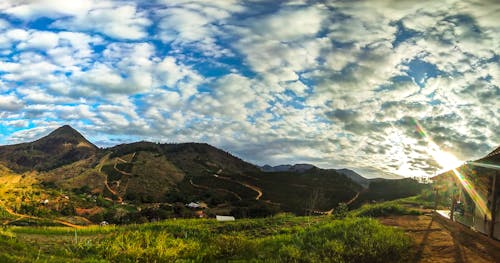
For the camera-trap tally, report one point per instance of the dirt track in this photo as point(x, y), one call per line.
point(21, 216)
point(439, 241)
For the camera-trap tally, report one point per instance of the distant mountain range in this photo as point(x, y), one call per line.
point(301, 168)
point(304, 167)
point(138, 175)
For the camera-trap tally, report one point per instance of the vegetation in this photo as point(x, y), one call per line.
point(386, 190)
point(384, 209)
point(64, 175)
point(282, 238)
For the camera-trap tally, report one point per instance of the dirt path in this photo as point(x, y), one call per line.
point(329, 212)
point(254, 188)
point(113, 192)
point(120, 171)
point(355, 197)
point(216, 189)
point(106, 183)
point(21, 216)
point(437, 240)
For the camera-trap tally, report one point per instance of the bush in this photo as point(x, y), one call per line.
point(341, 211)
point(384, 209)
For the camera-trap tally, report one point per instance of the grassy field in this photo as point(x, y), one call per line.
point(283, 238)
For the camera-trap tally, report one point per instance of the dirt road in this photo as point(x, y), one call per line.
point(437, 240)
point(21, 216)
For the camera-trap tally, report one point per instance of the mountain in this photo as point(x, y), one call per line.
point(300, 168)
point(63, 146)
point(144, 180)
point(355, 177)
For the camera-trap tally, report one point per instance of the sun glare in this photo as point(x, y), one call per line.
point(449, 162)
point(445, 159)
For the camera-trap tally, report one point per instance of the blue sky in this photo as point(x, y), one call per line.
point(333, 83)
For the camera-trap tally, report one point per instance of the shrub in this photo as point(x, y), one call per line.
point(384, 209)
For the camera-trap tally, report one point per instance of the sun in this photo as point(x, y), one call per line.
point(445, 159)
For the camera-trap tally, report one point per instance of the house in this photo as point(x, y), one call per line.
point(225, 218)
point(197, 205)
point(471, 193)
point(193, 205)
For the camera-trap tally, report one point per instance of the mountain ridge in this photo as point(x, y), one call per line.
point(142, 174)
point(303, 167)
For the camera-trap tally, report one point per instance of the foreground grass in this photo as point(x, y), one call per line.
point(277, 239)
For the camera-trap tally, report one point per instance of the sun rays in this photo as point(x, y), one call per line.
point(449, 162)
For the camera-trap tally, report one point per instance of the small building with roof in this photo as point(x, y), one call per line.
point(471, 193)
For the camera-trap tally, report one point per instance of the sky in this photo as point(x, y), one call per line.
point(338, 84)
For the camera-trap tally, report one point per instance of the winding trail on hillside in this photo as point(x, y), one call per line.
point(355, 197)
point(119, 198)
point(113, 192)
point(329, 212)
point(217, 189)
point(254, 188)
point(120, 171)
point(106, 185)
point(21, 216)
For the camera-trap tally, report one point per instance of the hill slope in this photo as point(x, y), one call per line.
point(62, 146)
point(144, 180)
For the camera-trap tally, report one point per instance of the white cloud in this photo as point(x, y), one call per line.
point(15, 123)
point(116, 21)
point(40, 40)
point(26, 9)
point(294, 81)
point(10, 102)
point(195, 24)
point(17, 34)
point(121, 20)
point(289, 24)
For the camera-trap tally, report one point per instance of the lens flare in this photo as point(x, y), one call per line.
point(450, 162)
point(474, 195)
point(443, 158)
point(485, 165)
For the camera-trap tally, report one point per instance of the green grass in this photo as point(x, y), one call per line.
point(281, 238)
point(384, 209)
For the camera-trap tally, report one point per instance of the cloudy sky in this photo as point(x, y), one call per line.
point(333, 83)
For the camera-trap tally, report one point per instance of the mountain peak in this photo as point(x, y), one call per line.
point(62, 146)
point(65, 130)
point(65, 135)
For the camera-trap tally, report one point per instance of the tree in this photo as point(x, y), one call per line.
point(340, 211)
